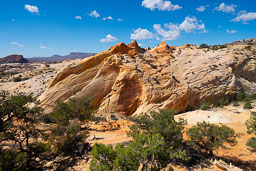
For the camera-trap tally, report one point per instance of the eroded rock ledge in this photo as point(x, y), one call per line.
point(128, 79)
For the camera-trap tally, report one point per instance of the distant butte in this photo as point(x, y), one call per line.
point(13, 59)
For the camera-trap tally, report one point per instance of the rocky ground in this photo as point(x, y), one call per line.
point(35, 76)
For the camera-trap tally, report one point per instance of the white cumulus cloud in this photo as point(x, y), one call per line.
point(160, 5)
point(231, 31)
point(172, 31)
point(169, 32)
point(141, 34)
point(119, 19)
point(78, 17)
point(17, 44)
point(109, 38)
point(32, 9)
point(202, 8)
point(190, 24)
point(226, 8)
point(245, 17)
point(95, 14)
point(108, 18)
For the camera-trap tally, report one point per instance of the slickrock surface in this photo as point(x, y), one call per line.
point(127, 79)
point(36, 76)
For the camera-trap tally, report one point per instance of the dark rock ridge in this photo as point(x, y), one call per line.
point(13, 59)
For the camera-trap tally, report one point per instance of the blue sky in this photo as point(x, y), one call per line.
point(47, 27)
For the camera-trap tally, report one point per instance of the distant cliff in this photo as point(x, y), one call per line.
point(13, 59)
point(58, 58)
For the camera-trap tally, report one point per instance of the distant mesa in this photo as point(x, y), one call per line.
point(13, 59)
point(59, 58)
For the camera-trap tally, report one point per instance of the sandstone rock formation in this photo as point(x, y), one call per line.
point(127, 79)
point(13, 59)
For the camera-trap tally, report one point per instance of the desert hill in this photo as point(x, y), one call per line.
point(249, 41)
point(13, 59)
point(127, 79)
point(59, 58)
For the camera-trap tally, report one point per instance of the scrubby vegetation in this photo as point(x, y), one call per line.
point(214, 47)
point(247, 105)
point(251, 129)
point(31, 146)
point(208, 137)
point(18, 126)
point(205, 106)
point(157, 141)
point(63, 112)
point(157, 138)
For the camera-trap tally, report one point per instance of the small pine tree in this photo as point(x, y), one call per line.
point(251, 129)
point(75, 108)
point(247, 105)
point(208, 137)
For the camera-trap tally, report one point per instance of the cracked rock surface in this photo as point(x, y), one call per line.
point(127, 79)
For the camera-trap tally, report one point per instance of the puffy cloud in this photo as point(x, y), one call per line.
point(108, 18)
point(190, 24)
point(109, 38)
point(245, 17)
point(78, 17)
point(202, 8)
point(119, 19)
point(171, 31)
point(226, 8)
point(160, 5)
point(32, 9)
point(94, 14)
point(231, 31)
point(140, 34)
point(17, 44)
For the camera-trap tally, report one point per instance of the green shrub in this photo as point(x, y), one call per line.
point(66, 139)
point(240, 96)
point(252, 143)
point(248, 48)
point(247, 105)
point(46, 119)
point(17, 79)
point(205, 106)
point(250, 43)
point(74, 108)
point(251, 125)
point(203, 45)
point(217, 47)
point(208, 137)
point(251, 129)
point(235, 103)
point(221, 102)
